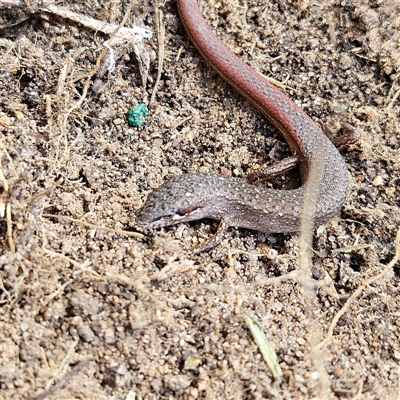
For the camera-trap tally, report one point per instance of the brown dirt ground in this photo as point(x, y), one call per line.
point(87, 313)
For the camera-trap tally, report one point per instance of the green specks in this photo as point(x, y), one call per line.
point(137, 114)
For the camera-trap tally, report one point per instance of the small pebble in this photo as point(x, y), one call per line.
point(378, 181)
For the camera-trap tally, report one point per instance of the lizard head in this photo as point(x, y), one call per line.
point(183, 198)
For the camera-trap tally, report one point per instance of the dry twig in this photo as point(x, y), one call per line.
point(48, 392)
point(360, 289)
point(160, 41)
point(5, 209)
point(97, 227)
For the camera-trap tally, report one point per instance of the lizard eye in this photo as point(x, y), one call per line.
point(187, 210)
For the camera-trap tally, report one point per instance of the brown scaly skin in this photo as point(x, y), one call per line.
point(236, 203)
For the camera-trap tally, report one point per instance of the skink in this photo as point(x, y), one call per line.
point(235, 203)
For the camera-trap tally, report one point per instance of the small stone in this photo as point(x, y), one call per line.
point(269, 252)
point(85, 333)
point(378, 181)
point(192, 362)
point(301, 341)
